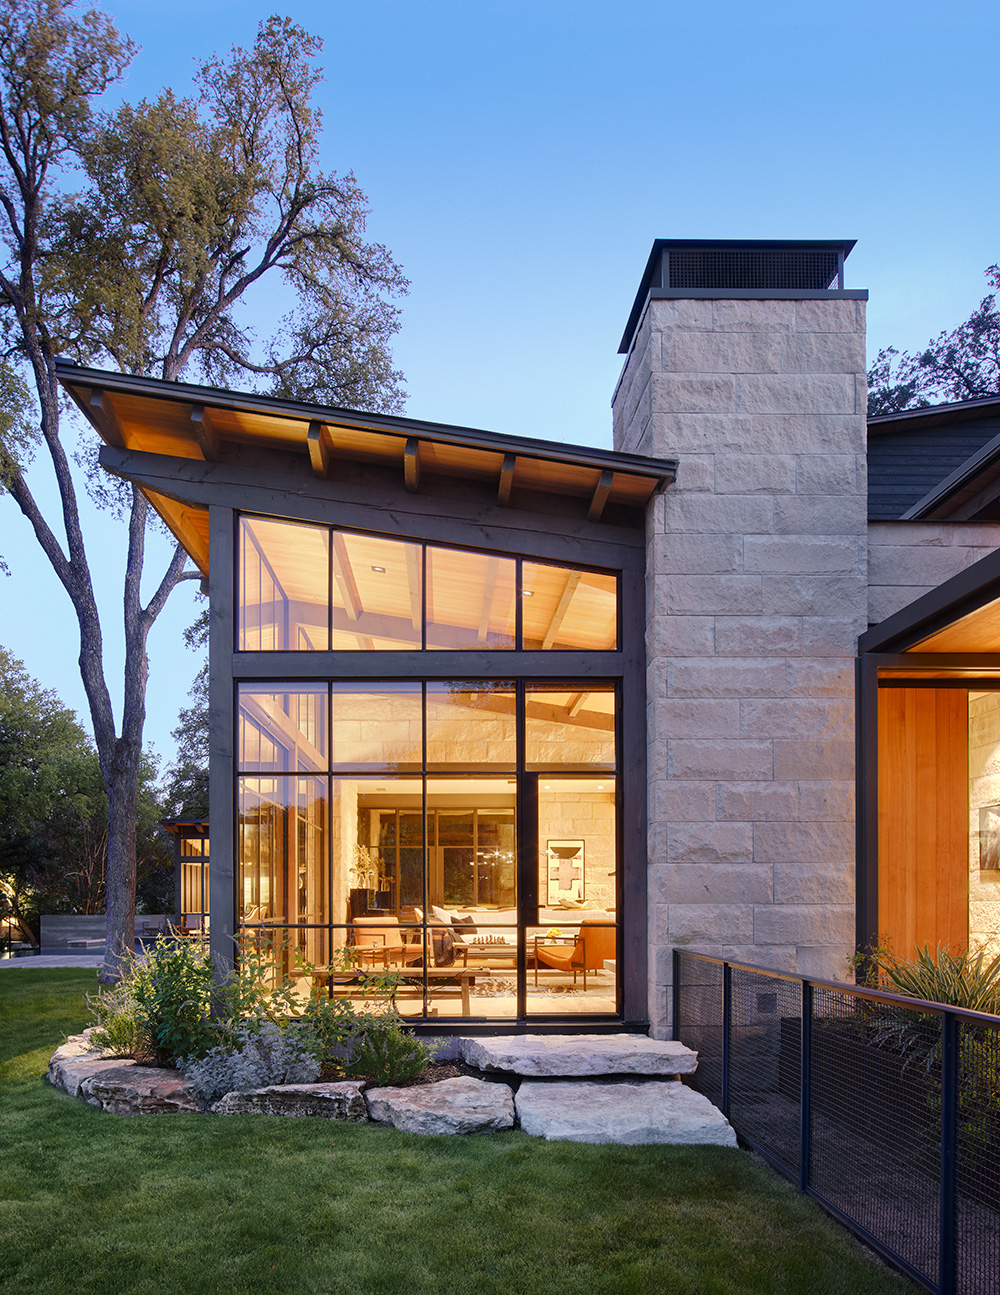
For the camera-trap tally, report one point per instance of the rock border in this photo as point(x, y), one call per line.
point(549, 1103)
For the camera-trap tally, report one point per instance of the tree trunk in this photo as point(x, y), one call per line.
point(123, 799)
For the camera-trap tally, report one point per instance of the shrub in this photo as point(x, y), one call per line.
point(958, 979)
point(257, 1054)
point(161, 1008)
point(385, 1054)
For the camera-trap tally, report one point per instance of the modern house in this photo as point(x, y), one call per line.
point(512, 719)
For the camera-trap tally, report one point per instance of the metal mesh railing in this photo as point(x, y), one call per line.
point(885, 1109)
point(774, 269)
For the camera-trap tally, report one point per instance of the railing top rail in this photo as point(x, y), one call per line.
point(854, 991)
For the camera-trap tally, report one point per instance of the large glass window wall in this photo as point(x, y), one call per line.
point(460, 836)
point(304, 587)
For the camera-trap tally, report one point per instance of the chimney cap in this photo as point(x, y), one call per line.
point(733, 268)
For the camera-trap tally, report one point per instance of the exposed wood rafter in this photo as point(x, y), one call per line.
point(411, 465)
point(576, 704)
point(343, 573)
point(600, 496)
point(103, 412)
point(205, 433)
point(413, 582)
point(506, 479)
point(562, 607)
point(319, 449)
point(492, 567)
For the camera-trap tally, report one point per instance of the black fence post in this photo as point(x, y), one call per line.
point(727, 1012)
point(675, 1009)
point(949, 1094)
point(805, 1082)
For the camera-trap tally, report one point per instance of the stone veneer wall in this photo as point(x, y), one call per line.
point(757, 591)
point(907, 559)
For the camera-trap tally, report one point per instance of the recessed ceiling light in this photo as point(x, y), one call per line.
point(528, 593)
point(380, 570)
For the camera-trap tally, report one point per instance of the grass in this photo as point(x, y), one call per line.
point(97, 1204)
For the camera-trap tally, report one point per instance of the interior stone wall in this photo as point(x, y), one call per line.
point(984, 789)
point(756, 593)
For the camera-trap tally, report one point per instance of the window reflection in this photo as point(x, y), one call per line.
point(569, 727)
point(283, 586)
point(471, 725)
point(282, 730)
point(564, 607)
point(470, 600)
point(377, 725)
point(377, 593)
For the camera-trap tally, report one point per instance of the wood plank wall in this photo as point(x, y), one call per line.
point(923, 817)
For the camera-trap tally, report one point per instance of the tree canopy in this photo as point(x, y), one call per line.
point(960, 365)
point(134, 239)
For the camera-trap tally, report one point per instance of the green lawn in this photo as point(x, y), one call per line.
point(96, 1204)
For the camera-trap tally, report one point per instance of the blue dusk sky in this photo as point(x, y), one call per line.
point(520, 156)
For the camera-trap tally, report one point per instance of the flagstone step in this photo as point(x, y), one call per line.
point(633, 1114)
point(578, 1055)
point(462, 1105)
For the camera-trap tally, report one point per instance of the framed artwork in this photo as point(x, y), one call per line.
point(989, 838)
point(565, 872)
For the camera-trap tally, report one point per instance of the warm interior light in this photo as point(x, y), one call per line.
point(380, 570)
point(528, 593)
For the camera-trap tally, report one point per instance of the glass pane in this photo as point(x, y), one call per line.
point(471, 725)
point(281, 849)
point(984, 821)
point(573, 950)
point(563, 607)
point(470, 600)
point(377, 726)
point(569, 727)
point(377, 596)
point(280, 730)
point(283, 586)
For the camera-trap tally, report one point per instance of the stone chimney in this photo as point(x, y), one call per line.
point(746, 361)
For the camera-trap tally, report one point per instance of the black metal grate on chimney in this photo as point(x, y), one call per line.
point(745, 268)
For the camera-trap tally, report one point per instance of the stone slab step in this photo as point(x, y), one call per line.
point(462, 1105)
point(633, 1114)
point(578, 1055)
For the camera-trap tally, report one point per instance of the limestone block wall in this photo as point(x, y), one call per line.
point(757, 590)
point(907, 559)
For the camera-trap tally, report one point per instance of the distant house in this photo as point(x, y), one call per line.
point(512, 719)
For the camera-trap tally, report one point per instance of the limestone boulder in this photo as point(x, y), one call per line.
point(579, 1055)
point(334, 1101)
point(633, 1114)
point(462, 1105)
point(128, 1088)
point(76, 1060)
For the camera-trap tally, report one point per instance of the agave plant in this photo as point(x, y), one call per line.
point(958, 979)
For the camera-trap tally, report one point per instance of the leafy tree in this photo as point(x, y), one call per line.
point(42, 748)
point(186, 206)
point(961, 365)
point(186, 790)
point(54, 811)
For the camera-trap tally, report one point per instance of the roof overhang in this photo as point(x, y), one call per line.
point(199, 424)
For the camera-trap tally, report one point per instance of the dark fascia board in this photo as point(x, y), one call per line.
point(950, 601)
point(189, 393)
point(660, 245)
point(958, 411)
point(176, 824)
point(963, 481)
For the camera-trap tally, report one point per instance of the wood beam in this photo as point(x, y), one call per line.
point(506, 479)
point(562, 607)
point(413, 582)
point(103, 412)
point(204, 433)
point(600, 496)
point(576, 704)
point(492, 567)
point(319, 449)
point(411, 465)
point(347, 584)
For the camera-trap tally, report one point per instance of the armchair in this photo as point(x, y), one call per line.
point(592, 947)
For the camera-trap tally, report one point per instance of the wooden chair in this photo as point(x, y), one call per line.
point(592, 947)
point(379, 942)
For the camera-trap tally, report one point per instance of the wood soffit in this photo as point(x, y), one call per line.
point(197, 423)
